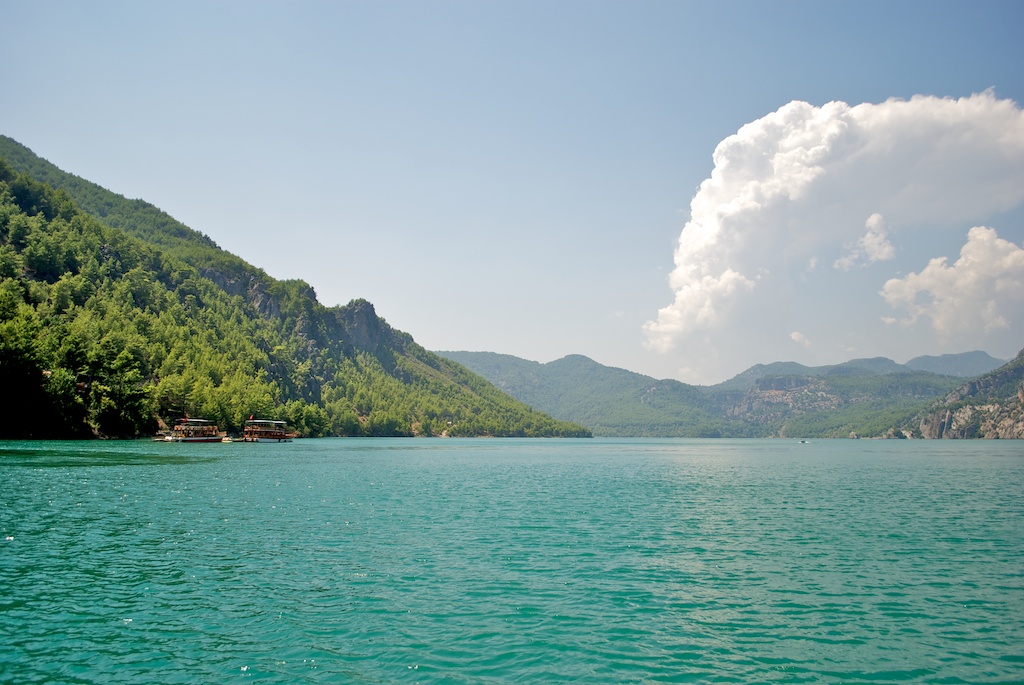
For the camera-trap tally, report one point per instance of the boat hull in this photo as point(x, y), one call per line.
point(177, 438)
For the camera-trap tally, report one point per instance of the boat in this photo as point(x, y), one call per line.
point(194, 430)
point(265, 430)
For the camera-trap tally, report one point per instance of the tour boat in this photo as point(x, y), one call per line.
point(194, 430)
point(264, 430)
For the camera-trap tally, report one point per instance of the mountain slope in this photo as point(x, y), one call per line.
point(609, 401)
point(991, 406)
point(864, 397)
point(115, 319)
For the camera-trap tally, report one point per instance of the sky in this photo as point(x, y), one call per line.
point(681, 189)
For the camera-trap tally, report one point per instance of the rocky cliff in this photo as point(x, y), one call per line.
point(991, 406)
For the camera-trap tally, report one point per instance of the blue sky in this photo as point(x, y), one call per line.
point(516, 176)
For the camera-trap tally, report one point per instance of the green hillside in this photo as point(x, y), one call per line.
point(865, 397)
point(114, 318)
point(608, 401)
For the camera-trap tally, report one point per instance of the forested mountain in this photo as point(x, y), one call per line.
point(863, 397)
point(114, 318)
point(609, 401)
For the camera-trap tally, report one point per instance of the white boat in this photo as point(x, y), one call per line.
point(265, 430)
point(194, 430)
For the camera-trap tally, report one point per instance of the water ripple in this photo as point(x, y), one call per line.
point(512, 561)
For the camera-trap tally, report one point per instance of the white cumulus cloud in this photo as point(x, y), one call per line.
point(837, 184)
point(873, 246)
point(983, 289)
point(800, 338)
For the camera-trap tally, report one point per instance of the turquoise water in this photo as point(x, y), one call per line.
point(494, 561)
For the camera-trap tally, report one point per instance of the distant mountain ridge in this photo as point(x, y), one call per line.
point(609, 401)
point(861, 397)
point(963, 365)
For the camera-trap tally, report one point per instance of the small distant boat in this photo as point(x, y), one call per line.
point(264, 430)
point(194, 430)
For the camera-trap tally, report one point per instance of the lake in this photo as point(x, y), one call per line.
point(496, 561)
